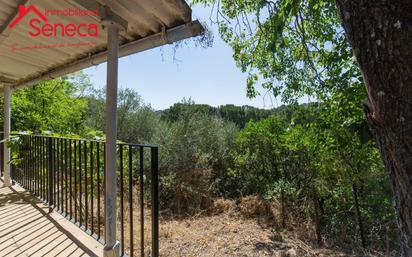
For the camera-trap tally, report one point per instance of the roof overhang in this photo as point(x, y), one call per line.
point(150, 24)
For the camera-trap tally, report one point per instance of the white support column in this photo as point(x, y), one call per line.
point(6, 128)
point(111, 248)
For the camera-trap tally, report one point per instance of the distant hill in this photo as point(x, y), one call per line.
point(240, 115)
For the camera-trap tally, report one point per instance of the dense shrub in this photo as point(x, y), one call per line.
point(195, 151)
point(325, 176)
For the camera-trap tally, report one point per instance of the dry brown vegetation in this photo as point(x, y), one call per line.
point(246, 228)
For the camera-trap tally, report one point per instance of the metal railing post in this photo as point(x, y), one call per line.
point(155, 201)
point(6, 127)
point(50, 172)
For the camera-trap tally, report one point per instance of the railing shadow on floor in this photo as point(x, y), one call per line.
point(33, 219)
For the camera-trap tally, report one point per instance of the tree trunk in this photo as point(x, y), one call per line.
point(282, 200)
point(316, 208)
point(380, 32)
point(359, 215)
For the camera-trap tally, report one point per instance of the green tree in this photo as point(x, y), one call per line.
point(52, 105)
point(240, 115)
point(318, 172)
point(137, 121)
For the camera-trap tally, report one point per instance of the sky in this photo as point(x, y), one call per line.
point(207, 76)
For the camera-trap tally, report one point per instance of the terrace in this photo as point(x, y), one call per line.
point(76, 197)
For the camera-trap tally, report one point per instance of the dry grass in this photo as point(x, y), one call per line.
point(246, 228)
point(229, 235)
point(218, 235)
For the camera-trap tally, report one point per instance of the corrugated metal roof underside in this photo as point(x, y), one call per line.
point(17, 63)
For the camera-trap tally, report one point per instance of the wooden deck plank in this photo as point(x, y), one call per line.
point(27, 229)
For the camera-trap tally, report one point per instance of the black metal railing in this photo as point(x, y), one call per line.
point(68, 175)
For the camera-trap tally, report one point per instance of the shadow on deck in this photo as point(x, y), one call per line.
point(27, 229)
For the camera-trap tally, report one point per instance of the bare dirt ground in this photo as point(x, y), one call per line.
point(228, 235)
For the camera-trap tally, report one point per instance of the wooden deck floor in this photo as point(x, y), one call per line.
point(26, 229)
